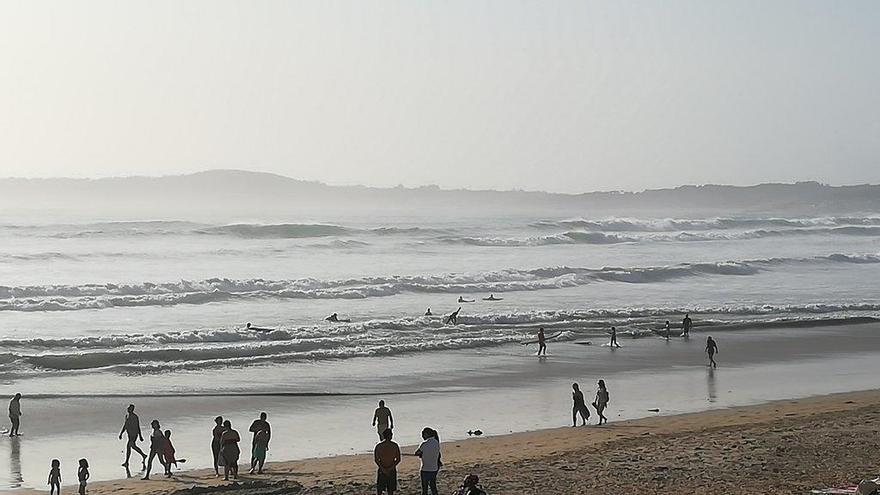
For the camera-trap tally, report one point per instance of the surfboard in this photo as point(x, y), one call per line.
point(545, 338)
point(583, 343)
point(608, 344)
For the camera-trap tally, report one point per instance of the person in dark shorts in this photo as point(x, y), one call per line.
point(711, 350)
point(387, 457)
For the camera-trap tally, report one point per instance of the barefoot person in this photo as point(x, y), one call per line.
point(55, 477)
point(614, 338)
point(387, 457)
point(429, 452)
point(667, 330)
point(229, 451)
point(258, 451)
point(216, 433)
point(382, 419)
point(601, 401)
point(686, 325)
point(711, 350)
point(132, 427)
point(157, 447)
point(542, 342)
point(15, 415)
point(256, 427)
point(579, 406)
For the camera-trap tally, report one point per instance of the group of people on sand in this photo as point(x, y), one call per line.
point(579, 408)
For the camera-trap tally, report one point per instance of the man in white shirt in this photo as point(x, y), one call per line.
point(429, 452)
point(15, 415)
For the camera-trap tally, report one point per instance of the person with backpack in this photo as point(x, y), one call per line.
point(601, 401)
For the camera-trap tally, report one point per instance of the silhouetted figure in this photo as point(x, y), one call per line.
point(428, 312)
point(579, 406)
point(493, 298)
point(470, 486)
point(157, 447)
point(452, 318)
point(711, 350)
point(132, 427)
point(334, 318)
point(463, 300)
point(259, 449)
point(216, 433)
point(55, 477)
point(686, 325)
point(542, 342)
point(15, 415)
point(382, 419)
point(257, 329)
point(387, 457)
point(601, 401)
point(429, 452)
point(82, 474)
point(169, 453)
point(667, 330)
point(229, 450)
point(256, 427)
point(614, 338)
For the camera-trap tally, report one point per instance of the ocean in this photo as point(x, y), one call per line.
point(115, 310)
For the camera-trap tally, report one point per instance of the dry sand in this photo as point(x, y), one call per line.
point(782, 447)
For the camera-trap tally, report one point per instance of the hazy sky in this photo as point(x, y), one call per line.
point(559, 95)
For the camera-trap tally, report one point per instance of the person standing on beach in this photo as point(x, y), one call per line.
point(601, 401)
point(216, 433)
point(711, 350)
point(258, 452)
point(132, 427)
point(82, 474)
point(15, 415)
point(579, 406)
point(429, 452)
point(55, 477)
point(157, 447)
point(229, 451)
point(667, 329)
point(259, 425)
point(387, 457)
point(686, 325)
point(614, 338)
point(542, 342)
point(382, 419)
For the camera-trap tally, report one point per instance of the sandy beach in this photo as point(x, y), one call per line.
point(783, 447)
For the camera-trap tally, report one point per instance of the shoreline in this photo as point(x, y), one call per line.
point(623, 449)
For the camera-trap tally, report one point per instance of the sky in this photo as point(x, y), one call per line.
point(564, 96)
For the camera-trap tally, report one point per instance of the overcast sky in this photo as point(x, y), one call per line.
point(559, 95)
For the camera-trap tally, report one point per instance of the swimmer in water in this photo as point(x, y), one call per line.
point(452, 318)
point(429, 313)
point(492, 298)
point(334, 318)
point(463, 300)
point(258, 329)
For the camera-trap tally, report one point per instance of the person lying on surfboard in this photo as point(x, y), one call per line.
point(463, 300)
point(334, 318)
point(257, 329)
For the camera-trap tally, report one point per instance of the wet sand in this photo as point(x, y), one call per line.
point(784, 447)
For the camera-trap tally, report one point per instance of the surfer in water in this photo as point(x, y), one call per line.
point(614, 338)
point(452, 318)
point(711, 350)
point(257, 329)
point(334, 318)
point(686, 325)
point(542, 342)
point(492, 298)
point(463, 300)
point(429, 313)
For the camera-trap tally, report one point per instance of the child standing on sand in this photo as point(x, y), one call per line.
point(168, 453)
point(83, 475)
point(55, 477)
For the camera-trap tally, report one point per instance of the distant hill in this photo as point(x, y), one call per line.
point(240, 194)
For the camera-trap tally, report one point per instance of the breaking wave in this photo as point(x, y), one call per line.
point(107, 295)
point(673, 224)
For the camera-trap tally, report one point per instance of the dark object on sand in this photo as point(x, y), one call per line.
point(475, 433)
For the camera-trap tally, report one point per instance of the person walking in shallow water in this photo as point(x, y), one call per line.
point(667, 330)
point(132, 427)
point(614, 338)
point(542, 342)
point(216, 433)
point(711, 350)
point(157, 447)
point(382, 419)
point(601, 401)
point(15, 415)
point(579, 406)
point(686, 325)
